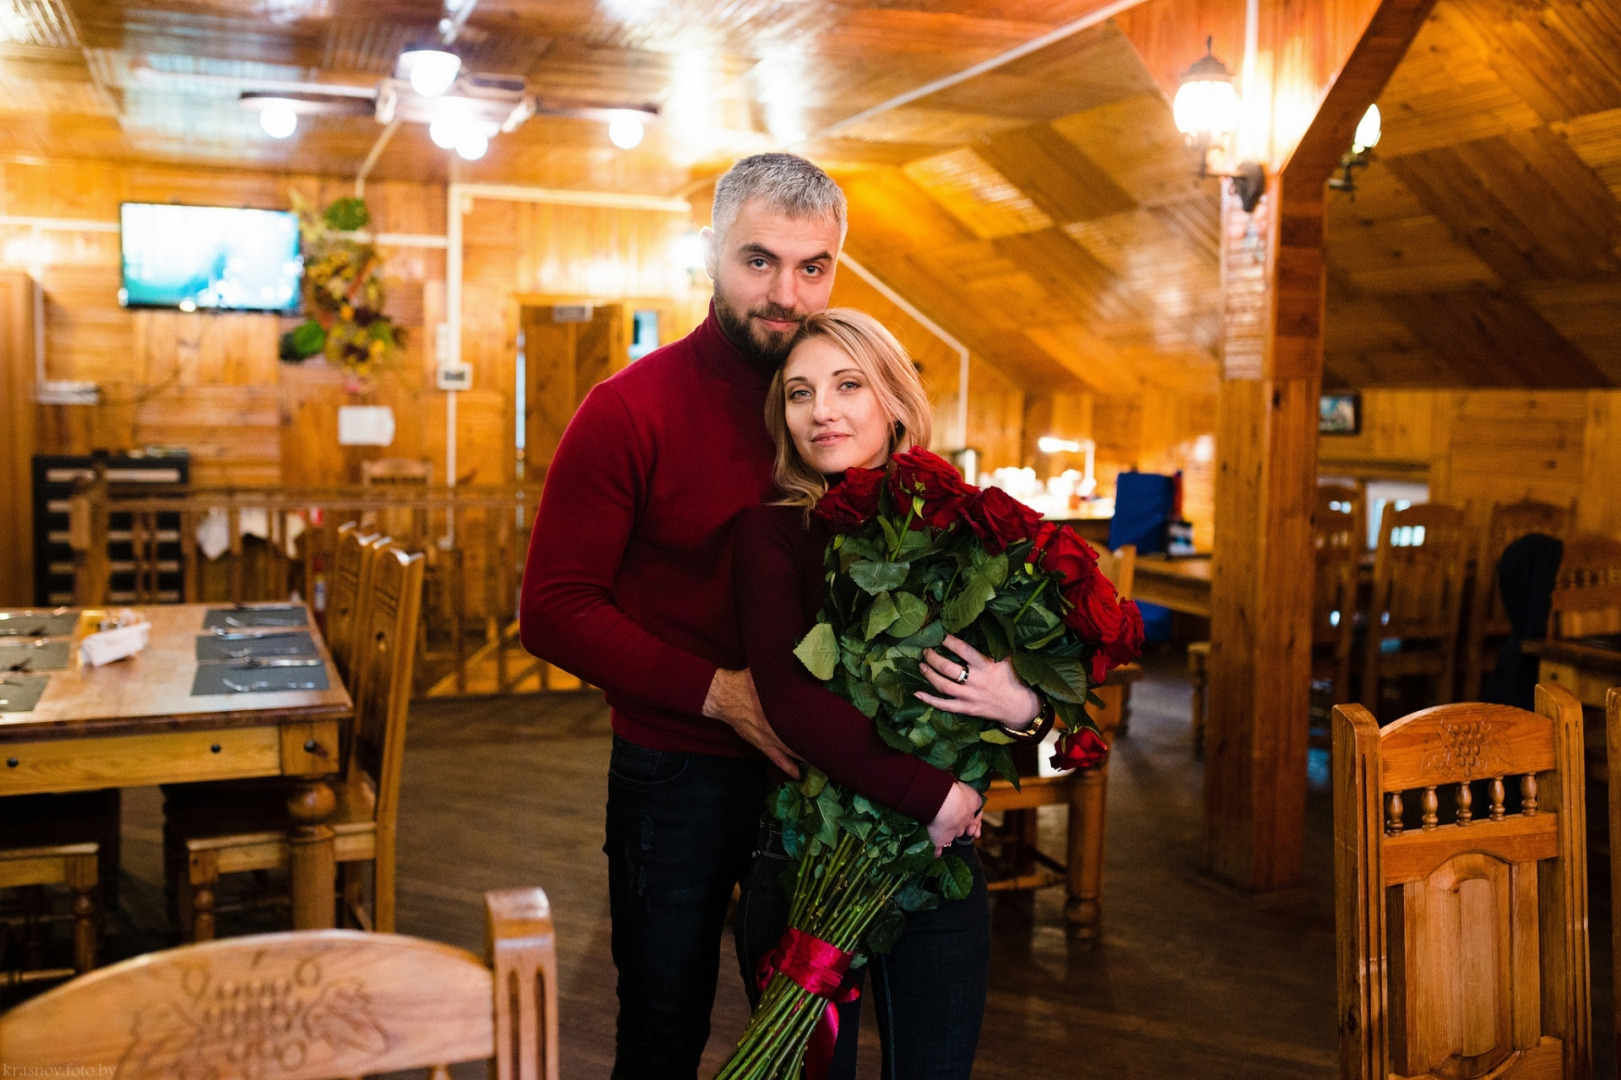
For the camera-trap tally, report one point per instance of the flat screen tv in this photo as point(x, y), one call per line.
point(209, 257)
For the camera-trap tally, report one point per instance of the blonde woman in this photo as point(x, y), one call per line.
point(849, 397)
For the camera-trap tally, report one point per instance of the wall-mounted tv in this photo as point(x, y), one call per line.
point(209, 257)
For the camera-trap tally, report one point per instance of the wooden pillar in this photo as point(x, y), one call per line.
point(1274, 287)
point(17, 439)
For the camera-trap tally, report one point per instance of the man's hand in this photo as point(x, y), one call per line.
point(732, 701)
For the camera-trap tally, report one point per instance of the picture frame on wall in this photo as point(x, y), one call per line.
point(1339, 414)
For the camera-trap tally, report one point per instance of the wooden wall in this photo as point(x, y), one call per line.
point(212, 382)
point(1483, 446)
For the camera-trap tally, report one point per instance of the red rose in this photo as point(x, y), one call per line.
point(1063, 552)
point(853, 501)
point(918, 472)
point(1128, 645)
point(1100, 667)
point(1096, 614)
point(1080, 750)
point(1000, 520)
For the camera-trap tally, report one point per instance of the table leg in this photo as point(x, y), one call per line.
point(314, 862)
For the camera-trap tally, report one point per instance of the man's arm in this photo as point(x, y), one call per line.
point(567, 614)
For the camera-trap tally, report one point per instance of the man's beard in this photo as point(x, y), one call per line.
point(765, 348)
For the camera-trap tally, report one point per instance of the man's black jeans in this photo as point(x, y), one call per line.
point(928, 992)
point(681, 832)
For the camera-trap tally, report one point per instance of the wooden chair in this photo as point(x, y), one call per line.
point(1199, 674)
point(252, 835)
point(350, 564)
point(1612, 728)
point(1587, 590)
point(1488, 625)
point(309, 1005)
point(1351, 499)
point(1417, 590)
point(1337, 534)
point(1084, 791)
point(68, 840)
point(1462, 928)
point(72, 865)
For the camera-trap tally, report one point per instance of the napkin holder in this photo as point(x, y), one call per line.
point(116, 642)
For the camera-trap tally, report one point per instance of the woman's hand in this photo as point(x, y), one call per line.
point(990, 690)
point(958, 816)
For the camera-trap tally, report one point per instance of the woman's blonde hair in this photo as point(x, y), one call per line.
point(889, 371)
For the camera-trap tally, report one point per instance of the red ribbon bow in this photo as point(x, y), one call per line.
point(817, 968)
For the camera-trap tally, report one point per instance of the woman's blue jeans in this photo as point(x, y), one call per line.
point(928, 992)
point(681, 832)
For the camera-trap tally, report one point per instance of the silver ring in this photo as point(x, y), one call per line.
point(963, 676)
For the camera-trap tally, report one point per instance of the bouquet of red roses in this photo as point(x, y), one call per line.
point(917, 554)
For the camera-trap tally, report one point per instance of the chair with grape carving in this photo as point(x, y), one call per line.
point(307, 1005)
point(1462, 920)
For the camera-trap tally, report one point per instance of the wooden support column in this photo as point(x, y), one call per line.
point(17, 426)
point(1274, 288)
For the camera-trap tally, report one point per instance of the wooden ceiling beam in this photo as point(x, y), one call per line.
point(1054, 173)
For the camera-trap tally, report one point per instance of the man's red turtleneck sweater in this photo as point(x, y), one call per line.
point(628, 583)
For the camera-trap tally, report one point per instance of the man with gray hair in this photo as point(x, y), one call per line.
point(628, 585)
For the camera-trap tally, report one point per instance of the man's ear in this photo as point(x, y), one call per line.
point(711, 244)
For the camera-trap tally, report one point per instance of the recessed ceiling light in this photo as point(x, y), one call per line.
point(625, 131)
point(431, 71)
point(279, 119)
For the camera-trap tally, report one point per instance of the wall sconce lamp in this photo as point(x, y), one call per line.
point(1206, 111)
point(1360, 155)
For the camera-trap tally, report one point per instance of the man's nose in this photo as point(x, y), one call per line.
point(784, 293)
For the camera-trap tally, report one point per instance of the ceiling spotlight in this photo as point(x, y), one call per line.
point(472, 145)
point(446, 130)
point(625, 131)
point(278, 118)
point(431, 71)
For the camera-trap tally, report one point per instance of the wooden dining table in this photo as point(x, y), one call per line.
point(1181, 584)
point(135, 722)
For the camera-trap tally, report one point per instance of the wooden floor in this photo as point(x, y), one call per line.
point(1191, 979)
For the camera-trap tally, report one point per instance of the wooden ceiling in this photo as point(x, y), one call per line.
point(1046, 212)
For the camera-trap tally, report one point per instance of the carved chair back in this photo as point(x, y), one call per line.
point(1587, 590)
point(308, 1005)
point(409, 525)
point(1461, 892)
point(1418, 574)
point(386, 659)
point(343, 603)
point(1337, 550)
point(1120, 567)
point(1348, 500)
point(1508, 522)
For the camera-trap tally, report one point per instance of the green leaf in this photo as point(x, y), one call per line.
point(932, 636)
point(876, 577)
point(967, 605)
point(864, 697)
point(994, 735)
point(957, 881)
point(1062, 679)
point(882, 615)
point(995, 570)
point(912, 613)
point(819, 651)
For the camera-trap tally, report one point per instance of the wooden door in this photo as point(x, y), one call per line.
point(565, 355)
point(17, 434)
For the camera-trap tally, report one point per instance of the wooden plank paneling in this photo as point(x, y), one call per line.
point(1058, 177)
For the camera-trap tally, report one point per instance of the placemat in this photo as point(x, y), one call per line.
point(237, 678)
point(213, 647)
point(37, 623)
point(235, 618)
point(20, 693)
point(36, 655)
